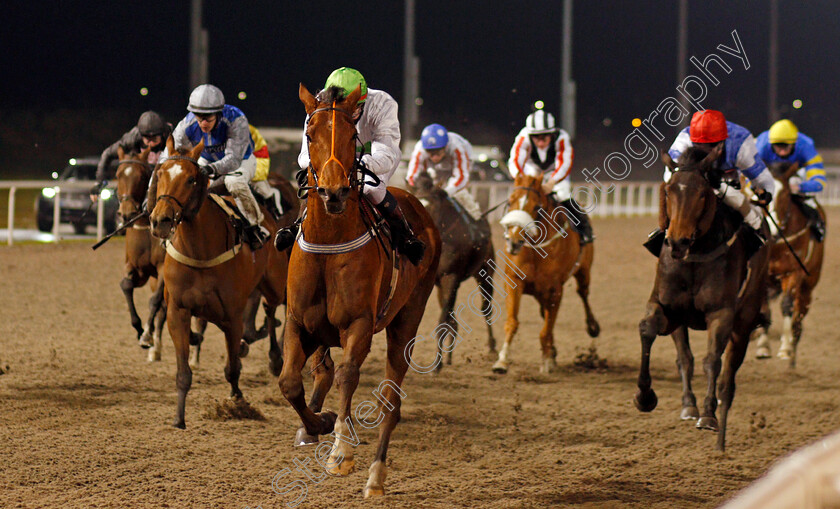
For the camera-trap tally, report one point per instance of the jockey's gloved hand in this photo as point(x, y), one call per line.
point(208, 171)
point(764, 197)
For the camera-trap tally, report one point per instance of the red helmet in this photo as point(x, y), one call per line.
point(707, 126)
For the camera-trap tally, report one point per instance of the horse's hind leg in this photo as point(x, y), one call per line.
point(151, 336)
point(651, 325)
point(582, 275)
point(789, 288)
point(127, 285)
point(233, 336)
point(685, 366)
point(762, 341)
point(199, 326)
point(512, 303)
point(719, 324)
point(275, 353)
point(323, 369)
point(800, 308)
point(447, 292)
point(249, 320)
point(486, 287)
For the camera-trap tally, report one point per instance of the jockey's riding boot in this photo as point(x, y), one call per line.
point(271, 205)
point(583, 226)
point(753, 239)
point(815, 221)
point(256, 235)
point(654, 242)
point(401, 233)
point(286, 236)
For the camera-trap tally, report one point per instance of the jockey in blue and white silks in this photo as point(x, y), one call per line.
point(784, 143)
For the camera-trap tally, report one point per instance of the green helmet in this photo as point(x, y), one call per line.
point(347, 79)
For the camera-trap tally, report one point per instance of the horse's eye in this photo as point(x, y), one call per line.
point(191, 181)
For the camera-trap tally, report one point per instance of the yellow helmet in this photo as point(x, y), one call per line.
point(783, 131)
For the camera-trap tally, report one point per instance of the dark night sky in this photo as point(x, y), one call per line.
point(98, 54)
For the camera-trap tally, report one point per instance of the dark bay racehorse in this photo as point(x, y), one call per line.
point(343, 288)
point(467, 253)
point(291, 210)
point(546, 252)
point(704, 281)
point(786, 275)
point(209, 272)
point(144, 254)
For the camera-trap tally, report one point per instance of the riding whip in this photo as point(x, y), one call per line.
point(118, 230)
point(782, 235)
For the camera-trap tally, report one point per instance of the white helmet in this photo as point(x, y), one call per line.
point(206, 99)
point(540, 122)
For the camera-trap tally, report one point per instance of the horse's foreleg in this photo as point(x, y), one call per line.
point(486, 286)
point(323, 370)
point(179, 330)
point(759, 335)
point(685, 367)
point(719, 325)
point(291, 383)
point(653, 324)
point(549, 312)
point(249, 317)
point(199, 325)
point(157, 315)
point(789, 290)
point(734, 355)
point(233, 367)
point(127, 286)
point(511, 325)
point(356, 348)
point(275, 353)
point(801, 304)
point(447, 292)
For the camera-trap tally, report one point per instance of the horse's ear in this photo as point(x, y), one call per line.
point(170, 145)
point(120, 153)
point(308, 100)
point(713, 156)
point(144, 154)
point(195, 153)
point(353, 98)
point(664, 220)
point(667, 160)
point(791, 171)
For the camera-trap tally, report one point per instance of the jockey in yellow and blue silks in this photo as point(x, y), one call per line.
point(784, 143)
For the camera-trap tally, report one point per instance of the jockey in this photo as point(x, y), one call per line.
point(446, 154)
point(378, 130)
point(541, 148)
point(784, 143)
point(709, 128)
point(228, 152)
point(260, 180)
point(150, 131)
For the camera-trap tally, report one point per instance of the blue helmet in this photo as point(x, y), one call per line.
point(434, 136)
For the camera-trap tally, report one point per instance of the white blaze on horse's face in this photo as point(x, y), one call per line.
point(127, 171)
point(175, 170)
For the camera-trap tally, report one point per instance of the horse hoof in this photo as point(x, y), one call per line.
point(303, 438)
point(345, 467)
point(548, 366)
point(275, 366)
point(243, 349)
point(645, 401)
point(689, 413)
point(762, 352)
point(371, 491)
point(179, 424)
point(709, 423)
point(154, 355)
point(500, 368)
point(593, 329)
point(784, 354)
point(328, 419)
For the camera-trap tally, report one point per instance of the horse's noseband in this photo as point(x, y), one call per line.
point(181, 213)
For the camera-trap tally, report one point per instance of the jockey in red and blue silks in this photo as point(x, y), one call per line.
point(708, 129)
point(784, 143)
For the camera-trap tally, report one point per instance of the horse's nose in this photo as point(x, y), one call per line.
point(161, 226)
point(679, 247)
point(334, 198)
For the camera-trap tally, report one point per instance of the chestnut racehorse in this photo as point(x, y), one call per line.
point(342, 289)
point(467, 252)
point(143, 254)
point(703, 281)
point(786, 276)
point(208, 272)
point(545, 252)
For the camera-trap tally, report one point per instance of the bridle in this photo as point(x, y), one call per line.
point(181, 212)
point(358, 165)
point(122, 198)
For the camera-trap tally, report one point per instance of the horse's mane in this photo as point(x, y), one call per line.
point(328, 95)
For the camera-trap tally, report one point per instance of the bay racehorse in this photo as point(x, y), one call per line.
point(208, 271)
point(144, 254)
point(344, 286)
point(250, 334)
point(786, 275)
point(704, 281)
point(545, 252)
point(467, 252)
